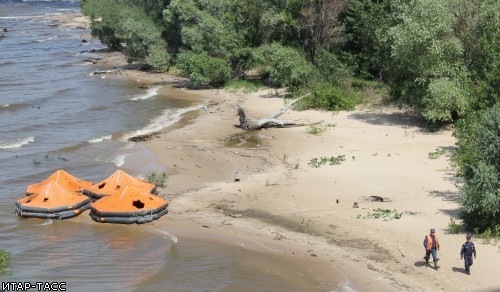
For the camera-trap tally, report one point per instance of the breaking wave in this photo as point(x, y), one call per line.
point(149, 93)
point(100, 139)
point(168, 118)
point(17, 143)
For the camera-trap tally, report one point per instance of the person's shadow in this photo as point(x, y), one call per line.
point(420, 264)
point(458, 270)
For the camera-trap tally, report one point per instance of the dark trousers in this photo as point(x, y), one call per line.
point(428, 254)
point(468, 262)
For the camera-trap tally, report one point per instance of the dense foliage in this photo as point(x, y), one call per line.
point(478, 157)
point(440, 58)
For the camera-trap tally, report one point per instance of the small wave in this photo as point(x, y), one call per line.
point(149, 93)
point(119, 161)
point(168, 118)
point(100, 139)
point(44, 40)
point(17, 143)
point(11, 106)
point(6, 63)
point(165, 234)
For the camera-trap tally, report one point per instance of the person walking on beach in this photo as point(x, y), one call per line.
point(431, 244)
point(468, 249)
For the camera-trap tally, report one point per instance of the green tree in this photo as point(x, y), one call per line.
point(478, 159)
point(128, 29)
point(427, 70)
point(367, 22)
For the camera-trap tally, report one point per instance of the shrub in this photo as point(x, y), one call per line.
point(246, 85)
point(4, 261)
point(157, 178)
point(453, 227)
point(286, 66)
point(202, 69)
point(330, 97)
point(478, 160)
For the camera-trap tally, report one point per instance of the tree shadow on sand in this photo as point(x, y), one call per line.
point(390, 119)
point(450, 196)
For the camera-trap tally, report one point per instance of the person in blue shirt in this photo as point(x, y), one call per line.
point(468, 249)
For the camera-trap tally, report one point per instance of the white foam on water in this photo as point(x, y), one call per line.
point(46, 223)
point(47, 39)
point(149, 93)
point(17, 143)
point(6, 105)
point(99, 139)
point(165, 234)
point(168, 118)
point(120, 160)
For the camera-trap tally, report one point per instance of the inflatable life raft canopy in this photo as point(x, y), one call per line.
point(64, 179)
point(130, 206)
point(52, 201)
point(116, 183)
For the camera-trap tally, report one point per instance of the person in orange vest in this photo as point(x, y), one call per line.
point(431, 244)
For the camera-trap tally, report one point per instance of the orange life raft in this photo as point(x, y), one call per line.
point(64, 179)
point(52, 201)
point(131, 205)
point(116, 183)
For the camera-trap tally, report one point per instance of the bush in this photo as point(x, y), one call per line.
point(246, 85)
point(157, 178)
point(453, 227)
point(202, 69)
point(478, 160)
point(286, 66)
point(4, 261)
point(330, 97)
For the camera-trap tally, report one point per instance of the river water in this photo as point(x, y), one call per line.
point(54, 114)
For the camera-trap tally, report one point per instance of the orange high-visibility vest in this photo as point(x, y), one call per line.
point(429, 242)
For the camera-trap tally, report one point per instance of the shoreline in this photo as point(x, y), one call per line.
point(310, 210)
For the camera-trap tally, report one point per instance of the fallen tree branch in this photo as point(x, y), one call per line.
point(253, 124)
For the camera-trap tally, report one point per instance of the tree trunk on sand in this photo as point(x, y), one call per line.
point(253, 124)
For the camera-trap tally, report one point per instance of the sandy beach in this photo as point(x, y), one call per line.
point(267, 197)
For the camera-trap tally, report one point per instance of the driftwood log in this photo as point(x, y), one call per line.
point(253, 124)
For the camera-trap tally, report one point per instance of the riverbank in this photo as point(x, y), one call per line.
point(269, 195)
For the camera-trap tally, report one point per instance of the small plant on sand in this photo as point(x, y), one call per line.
point(4, 262)
point(158, 178)
point(385, 214)
point(247, 86)
point(297, 162)
point(248, 139)
point(317, 162)
point(436, 154)
point(486, 236)
point(453, 227)
point(285, 158)
point(318, 129)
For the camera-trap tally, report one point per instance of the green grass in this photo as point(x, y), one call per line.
point(247, 86)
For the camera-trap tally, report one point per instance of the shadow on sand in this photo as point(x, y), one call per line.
point(458, 270)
